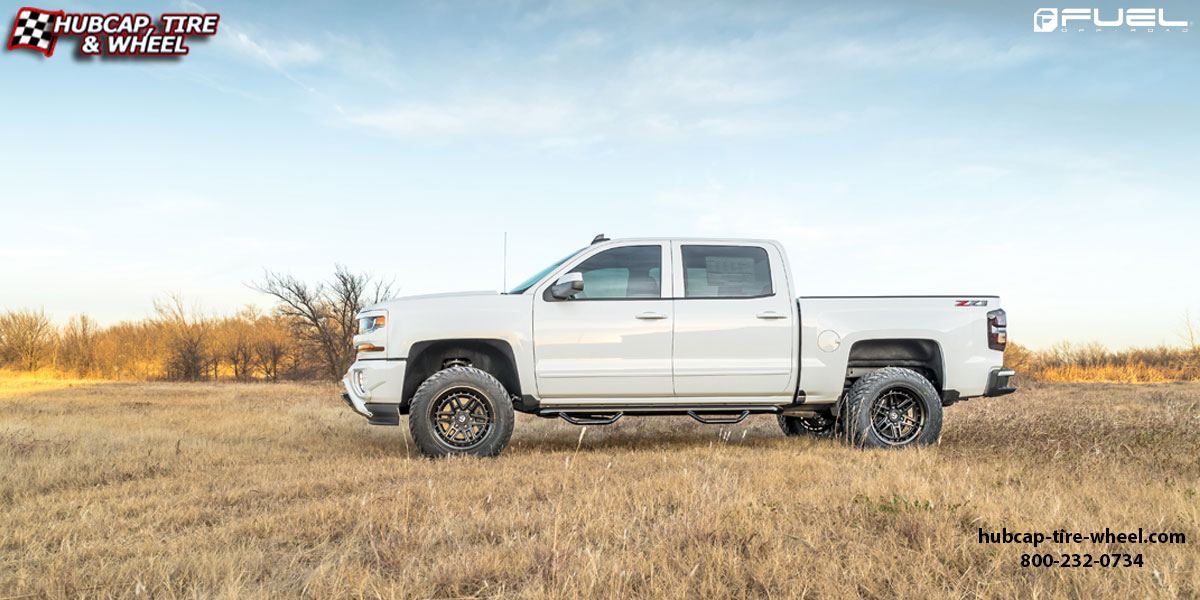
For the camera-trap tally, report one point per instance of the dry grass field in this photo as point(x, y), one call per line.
point(268, 491)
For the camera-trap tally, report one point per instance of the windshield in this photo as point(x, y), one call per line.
point(528, 283)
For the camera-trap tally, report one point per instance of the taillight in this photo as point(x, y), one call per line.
point(997, 329)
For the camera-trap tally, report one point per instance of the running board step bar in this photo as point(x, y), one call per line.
point(709, 415)
point(590, 419)
point(721, 420)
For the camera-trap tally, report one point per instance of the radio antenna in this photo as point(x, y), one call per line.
point(504, 268)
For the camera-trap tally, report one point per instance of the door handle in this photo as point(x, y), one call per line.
point(770, 314)
point(650, 316)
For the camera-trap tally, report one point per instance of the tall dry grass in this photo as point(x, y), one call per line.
point(267, 491)
point(1093, 363)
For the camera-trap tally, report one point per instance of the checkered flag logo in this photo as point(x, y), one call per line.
point(34, 29)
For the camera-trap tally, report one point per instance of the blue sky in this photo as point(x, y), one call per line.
point(893, 147)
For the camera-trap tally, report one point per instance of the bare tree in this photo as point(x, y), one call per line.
point(78, 345)
point(1191, 332)
point(324, 312)
point(271, 346)
point(235, 338)
point(187, 339)
point(26, 338)
point(1016, 356)
point(132, 350)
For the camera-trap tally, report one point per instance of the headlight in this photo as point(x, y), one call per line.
point(369, 324)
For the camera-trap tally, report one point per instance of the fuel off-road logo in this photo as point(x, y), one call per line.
point(1047, 20)
point(113, 34)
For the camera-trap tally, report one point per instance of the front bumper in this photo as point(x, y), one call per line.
point(376, 414)
point(998, 382)
point(374, 389)
point(355, 404)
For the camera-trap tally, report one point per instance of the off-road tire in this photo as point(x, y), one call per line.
point(869, 421)
point(822, 425)
point(461, 385)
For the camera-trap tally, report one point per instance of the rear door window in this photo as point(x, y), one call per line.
point(726, 272)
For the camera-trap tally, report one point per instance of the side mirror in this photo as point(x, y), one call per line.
point(567, 286)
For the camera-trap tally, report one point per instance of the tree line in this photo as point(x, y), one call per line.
point(307, 334)
point(1093, 362)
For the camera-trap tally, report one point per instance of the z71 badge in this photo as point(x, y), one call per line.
point(970, 302)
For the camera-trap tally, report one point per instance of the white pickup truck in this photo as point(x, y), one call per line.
point(700, 327)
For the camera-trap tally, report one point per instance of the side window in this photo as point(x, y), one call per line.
point(626, 272)
point(726, 272)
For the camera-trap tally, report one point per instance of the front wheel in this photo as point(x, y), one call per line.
point(893, 408)
point(461, 411)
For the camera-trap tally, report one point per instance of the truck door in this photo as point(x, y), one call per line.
point(613, 339)
point(735, 321)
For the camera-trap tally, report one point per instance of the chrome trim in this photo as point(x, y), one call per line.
point(358, 404)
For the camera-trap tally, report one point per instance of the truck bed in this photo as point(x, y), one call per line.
point(831, 325)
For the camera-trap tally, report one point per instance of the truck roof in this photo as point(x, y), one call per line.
point(692, 239)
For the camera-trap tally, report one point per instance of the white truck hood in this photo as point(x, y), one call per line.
point(396, 302)
point(458, 315)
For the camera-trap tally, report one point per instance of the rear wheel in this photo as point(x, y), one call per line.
point(461, 411)
point(818, 425)
point(893, 408)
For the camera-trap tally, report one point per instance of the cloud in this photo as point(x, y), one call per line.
point(176, 204)
point(716, 210)
point(275, 54)
point(774, 74)
point(582, 39)
point(770, 67)
point(732, 74)
point(488, 116)
point(932, 50)
point(560, 10)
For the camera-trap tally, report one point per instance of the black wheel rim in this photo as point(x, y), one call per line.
point(897, 416)
point(817, 424)
point(462, 417)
